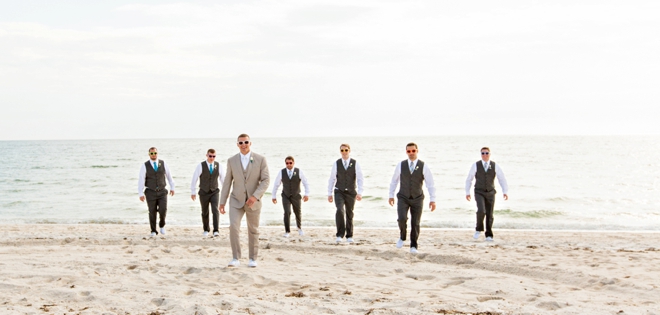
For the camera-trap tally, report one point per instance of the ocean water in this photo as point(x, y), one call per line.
point(555, 182)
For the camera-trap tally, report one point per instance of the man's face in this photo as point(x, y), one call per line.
point(412, 152)
point(344, 152)
point(210, 157)
point(290, 164)
point(244, 144)
point(153, 155)
point(485, 155)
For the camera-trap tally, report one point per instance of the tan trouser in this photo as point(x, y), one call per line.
point(252, 218)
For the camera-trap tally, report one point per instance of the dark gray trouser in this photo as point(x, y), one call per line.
point(206, 198)
point(288, 202)
point(157, 202)
point(345, 203)
point(485, 206)
point(416, 205)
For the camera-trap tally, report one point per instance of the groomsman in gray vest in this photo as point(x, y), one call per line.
point(248, 178)
point(345, 173)
point(151, 186)
point(409, 175)
point(483, 172)
point(290, 178)
point(210, 176)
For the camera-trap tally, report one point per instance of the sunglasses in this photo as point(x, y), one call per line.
point(344, 150)
point(244, 142)
point(211, 156)
point(485, 153)
point(411, 151)
point(153, 153)
point(289, 163)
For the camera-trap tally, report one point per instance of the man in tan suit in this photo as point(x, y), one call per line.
point(247, 175)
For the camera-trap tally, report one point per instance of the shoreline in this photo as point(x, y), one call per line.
point(495, 230)
point(117, 269)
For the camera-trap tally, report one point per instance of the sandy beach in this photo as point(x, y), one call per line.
point(118, 269)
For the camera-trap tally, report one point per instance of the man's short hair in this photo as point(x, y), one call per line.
point(345, 145)
point(289, 158)
point(412, 144)
point(210, 151)
point(485, 148)
point(152, 149)
point(243, 135)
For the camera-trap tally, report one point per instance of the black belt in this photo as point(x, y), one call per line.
point(157, 189)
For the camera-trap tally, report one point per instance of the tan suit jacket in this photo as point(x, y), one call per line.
point(243, 187)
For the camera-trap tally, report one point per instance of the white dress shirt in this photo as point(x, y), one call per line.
point(143, 174)
point(498, 173)
point(278, 182)
point(245, 159)
point(358, 176)
point(428, 178)
point(198, 172)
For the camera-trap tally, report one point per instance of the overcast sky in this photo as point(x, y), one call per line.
point(197, 69)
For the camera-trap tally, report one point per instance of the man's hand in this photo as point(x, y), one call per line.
point(329, 198)
point(432, 206)
point(468, 197)
point(391, 201)
point(251, 201)
point(193, 197)
point(142, 198)
point(506, 197)
point(274, 200)
point(358, 197)
point(305, 198)
point(222, 209)
point(171, 192)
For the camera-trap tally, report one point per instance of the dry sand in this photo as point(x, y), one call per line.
point(118, 269)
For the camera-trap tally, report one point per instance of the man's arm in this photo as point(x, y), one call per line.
point(193, 184)
point(430, 185)
point(502, 180)
point(394, 182)
point(169, 178)
point(226, 185)
point(141, 176)
point(332, 180)
point(276, 185)
point(469, 179)
point(360, 181)
point(305, 183)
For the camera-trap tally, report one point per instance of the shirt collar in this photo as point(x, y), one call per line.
point(247, 156)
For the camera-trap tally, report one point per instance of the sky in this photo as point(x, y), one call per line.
point(203, 69)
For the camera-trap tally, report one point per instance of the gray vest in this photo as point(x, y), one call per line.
point(209, 182)
point(154, 180)
point(346, 177)
point(290, 186)
point(485, 181)
point(411, 184)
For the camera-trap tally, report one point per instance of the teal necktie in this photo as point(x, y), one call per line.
point(155, 167)
point(211, 169)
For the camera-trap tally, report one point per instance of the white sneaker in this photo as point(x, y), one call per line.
point(338, 240)
point(252, 263)
point(162, 230)
point(234, 263)
point(413, 250)
point(300, 232)
point(489, 239)
point(477, 234)
point(349, 240)
point(205, 233)
point(216, 234)
point(153, 234)
point(399, 243)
